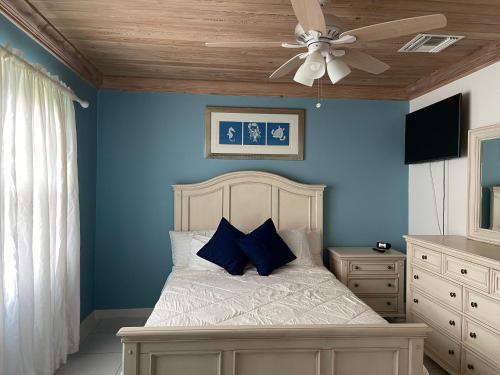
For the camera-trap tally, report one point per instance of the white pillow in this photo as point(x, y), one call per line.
point(198, 263)
point(314, 238)
point(182, 248)
point(297, 241)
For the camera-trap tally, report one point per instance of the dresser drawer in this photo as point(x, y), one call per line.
point(381, 304)
point(482, 308)
point(428, 258)
point(449, 321)
point(373, 286)
point(444, 290)
point(473, 365)
point(440, 345)
point(482, 340)
point(360, 267)
point(467, 272)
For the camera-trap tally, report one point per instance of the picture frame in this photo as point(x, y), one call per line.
point(254, 133)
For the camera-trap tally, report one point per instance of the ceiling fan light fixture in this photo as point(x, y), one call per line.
point(337, 70)
point(303, 77)
point(315, 65)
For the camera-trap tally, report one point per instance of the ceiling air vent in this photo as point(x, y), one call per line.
point(430, 43)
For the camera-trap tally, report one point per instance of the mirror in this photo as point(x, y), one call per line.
point(490, 184)
point(484, 184)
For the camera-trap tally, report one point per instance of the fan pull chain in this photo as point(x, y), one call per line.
point(320, 93)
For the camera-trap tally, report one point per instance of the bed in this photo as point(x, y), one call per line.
point(299, 320)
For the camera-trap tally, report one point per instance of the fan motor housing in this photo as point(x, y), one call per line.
point(334, 28)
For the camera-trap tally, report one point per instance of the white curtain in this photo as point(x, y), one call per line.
point(39, 223)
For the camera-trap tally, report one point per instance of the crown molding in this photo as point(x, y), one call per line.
point(481, 58)
point(288, 90)
point(29, 19)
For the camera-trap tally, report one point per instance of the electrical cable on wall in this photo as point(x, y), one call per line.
point(436, 210)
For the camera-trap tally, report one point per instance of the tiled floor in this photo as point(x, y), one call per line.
point(100, 353)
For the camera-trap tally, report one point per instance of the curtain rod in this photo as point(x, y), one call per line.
point(40, 69)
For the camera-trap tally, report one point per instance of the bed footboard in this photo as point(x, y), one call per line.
point(384, 349)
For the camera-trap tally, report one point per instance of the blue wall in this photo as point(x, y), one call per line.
point(149, 141)
point(86, 123)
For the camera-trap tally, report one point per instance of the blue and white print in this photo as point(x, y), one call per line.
point(278, 134)
point(230, 133)
point(254, 133)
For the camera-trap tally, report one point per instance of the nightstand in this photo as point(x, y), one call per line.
point(377, 278)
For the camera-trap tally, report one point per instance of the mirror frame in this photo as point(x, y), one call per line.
point(474, 230)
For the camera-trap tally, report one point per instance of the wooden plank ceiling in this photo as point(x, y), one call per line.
point(159, 44)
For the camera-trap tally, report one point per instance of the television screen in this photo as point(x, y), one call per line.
point(433, 132)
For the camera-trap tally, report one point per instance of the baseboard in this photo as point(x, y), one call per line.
point(122, 313)
point(88, 325)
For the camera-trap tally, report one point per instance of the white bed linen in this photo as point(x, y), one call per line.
point(291, 295)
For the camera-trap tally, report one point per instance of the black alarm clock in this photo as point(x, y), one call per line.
point(382, 247)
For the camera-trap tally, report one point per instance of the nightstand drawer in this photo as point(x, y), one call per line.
point(428, 258)
point(467, 272)
point(448, 320)
point(482, 340)
point(360, 267)
point(373, 286)
point(482, 308)
point(444, 290)
point(472, 365)
point(381, 304)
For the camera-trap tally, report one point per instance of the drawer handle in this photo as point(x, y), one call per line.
point(453, 294)
point(473, 304)
point(463, 271)
point(470, 366)
point(424, 257)
point(389, 303)
point(356, 267)
point(389, 267)
point(356, 285)
point(415, 277)
point(472, 335)
point(452, 322)
point(415, 300)
point(389, 285)
point(451, 352)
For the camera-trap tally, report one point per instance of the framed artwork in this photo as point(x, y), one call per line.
point(254, 133)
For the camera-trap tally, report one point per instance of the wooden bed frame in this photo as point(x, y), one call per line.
point(246, 199)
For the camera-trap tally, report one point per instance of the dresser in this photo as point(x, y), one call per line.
point(377, 278)
point(453, 285)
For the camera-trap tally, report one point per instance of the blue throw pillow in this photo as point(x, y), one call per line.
point(223, 250)
point(265, 249)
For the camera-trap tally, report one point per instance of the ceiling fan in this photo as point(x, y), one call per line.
point(327, 43)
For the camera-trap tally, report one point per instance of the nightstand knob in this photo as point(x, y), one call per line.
point(356, 267)
point(473, 304)
point(424, 257)
point(389, 267)
point(451, 352)
point(452, 322)
point(453, 294)
point(356, 285)
point(415, 300)
point(389, 285)
point(415, 277)
point(470, 366)
point(472, 335)
point(388, 303)
point(463, 271)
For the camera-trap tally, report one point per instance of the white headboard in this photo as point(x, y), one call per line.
point(246, 199)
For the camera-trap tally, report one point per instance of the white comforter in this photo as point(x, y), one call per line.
point(291, 295)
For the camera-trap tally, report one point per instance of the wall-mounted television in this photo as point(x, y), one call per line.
point(433, 133)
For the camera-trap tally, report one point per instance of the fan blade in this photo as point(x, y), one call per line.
point(346, 39)
point(290, 65)
point(246, 44)
point(363, 61)
point(393, 29)
point(310, 15)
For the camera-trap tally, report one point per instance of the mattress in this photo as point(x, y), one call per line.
point(291, 295)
